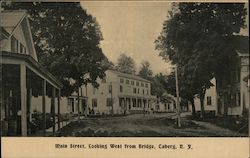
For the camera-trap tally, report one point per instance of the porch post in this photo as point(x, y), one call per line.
point(29, 103)
point(125, 106)
point(44, 106)
point(58, 112)
point(53, 109)
point(23, 91)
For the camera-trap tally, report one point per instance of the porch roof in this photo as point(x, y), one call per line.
point(136, 96)
point(37, 66)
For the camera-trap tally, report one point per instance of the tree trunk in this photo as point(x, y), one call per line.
point(193, 107)
point(202, 95)
point(86, 104)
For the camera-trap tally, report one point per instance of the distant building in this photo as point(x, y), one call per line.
point(118, 93)
point(168, 104)
point(22, 78)
point(210, 100)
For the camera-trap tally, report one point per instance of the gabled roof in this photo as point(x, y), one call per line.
point(3, 33)
point(11, 19)
point(130, 76)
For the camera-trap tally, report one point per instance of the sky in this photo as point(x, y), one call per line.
point(131, 28)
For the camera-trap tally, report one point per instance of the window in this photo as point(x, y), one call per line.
point(137, 83)
point(143, 91)
point(109, 102)
point(147, 91)
point(209, 100)
point(127, 81)
point(121, 80)
point(165, 106)
point(120, 102)
point(142, 84)
point(81, 93)
point(104, 80)
point(71, 104)
point(94, 103)
point(110, 88)
point(121, 88)
point(134, 90)
point(174, 105)
point(146, 85)
point(237, 99)
point(14, 45)
point(132, 82)
point(22, 49)
point(138, 90)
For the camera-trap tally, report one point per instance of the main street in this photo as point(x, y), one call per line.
point(140, 125)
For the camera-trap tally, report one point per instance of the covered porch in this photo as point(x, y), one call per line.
point(24, 81)
point(136, 104)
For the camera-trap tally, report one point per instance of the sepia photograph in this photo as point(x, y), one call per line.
point(124, 69)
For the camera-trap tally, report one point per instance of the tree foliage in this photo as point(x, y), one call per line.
point(199, 38)
point(145, 70)
point(125, 64)
point(67, 40)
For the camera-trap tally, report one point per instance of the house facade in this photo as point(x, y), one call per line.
point(118, 93)
point(23, 78)
point(230, 94)
point(233, 98)
point(210, 100)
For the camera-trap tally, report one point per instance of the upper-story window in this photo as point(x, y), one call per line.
point(127, 81)
point(121, 80)
point(146, 85)
point(110, 88)
point(138, 90)
point(14, 45)
point(121, 88)
point(137, 83)
point(104, 80)
point(142, 84)
point(22, 49)
point(143, 91)
point(132, 82)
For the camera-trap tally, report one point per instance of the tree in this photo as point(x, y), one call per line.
point(157, 87)
point(186, 92)
point(199, 37)
point(125, 64)
point(145, 71)
point(67, 40)
point(107, 64)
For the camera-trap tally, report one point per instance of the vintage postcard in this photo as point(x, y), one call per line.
point(124, 79)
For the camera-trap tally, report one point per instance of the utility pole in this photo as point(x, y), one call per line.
point(177, 97)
